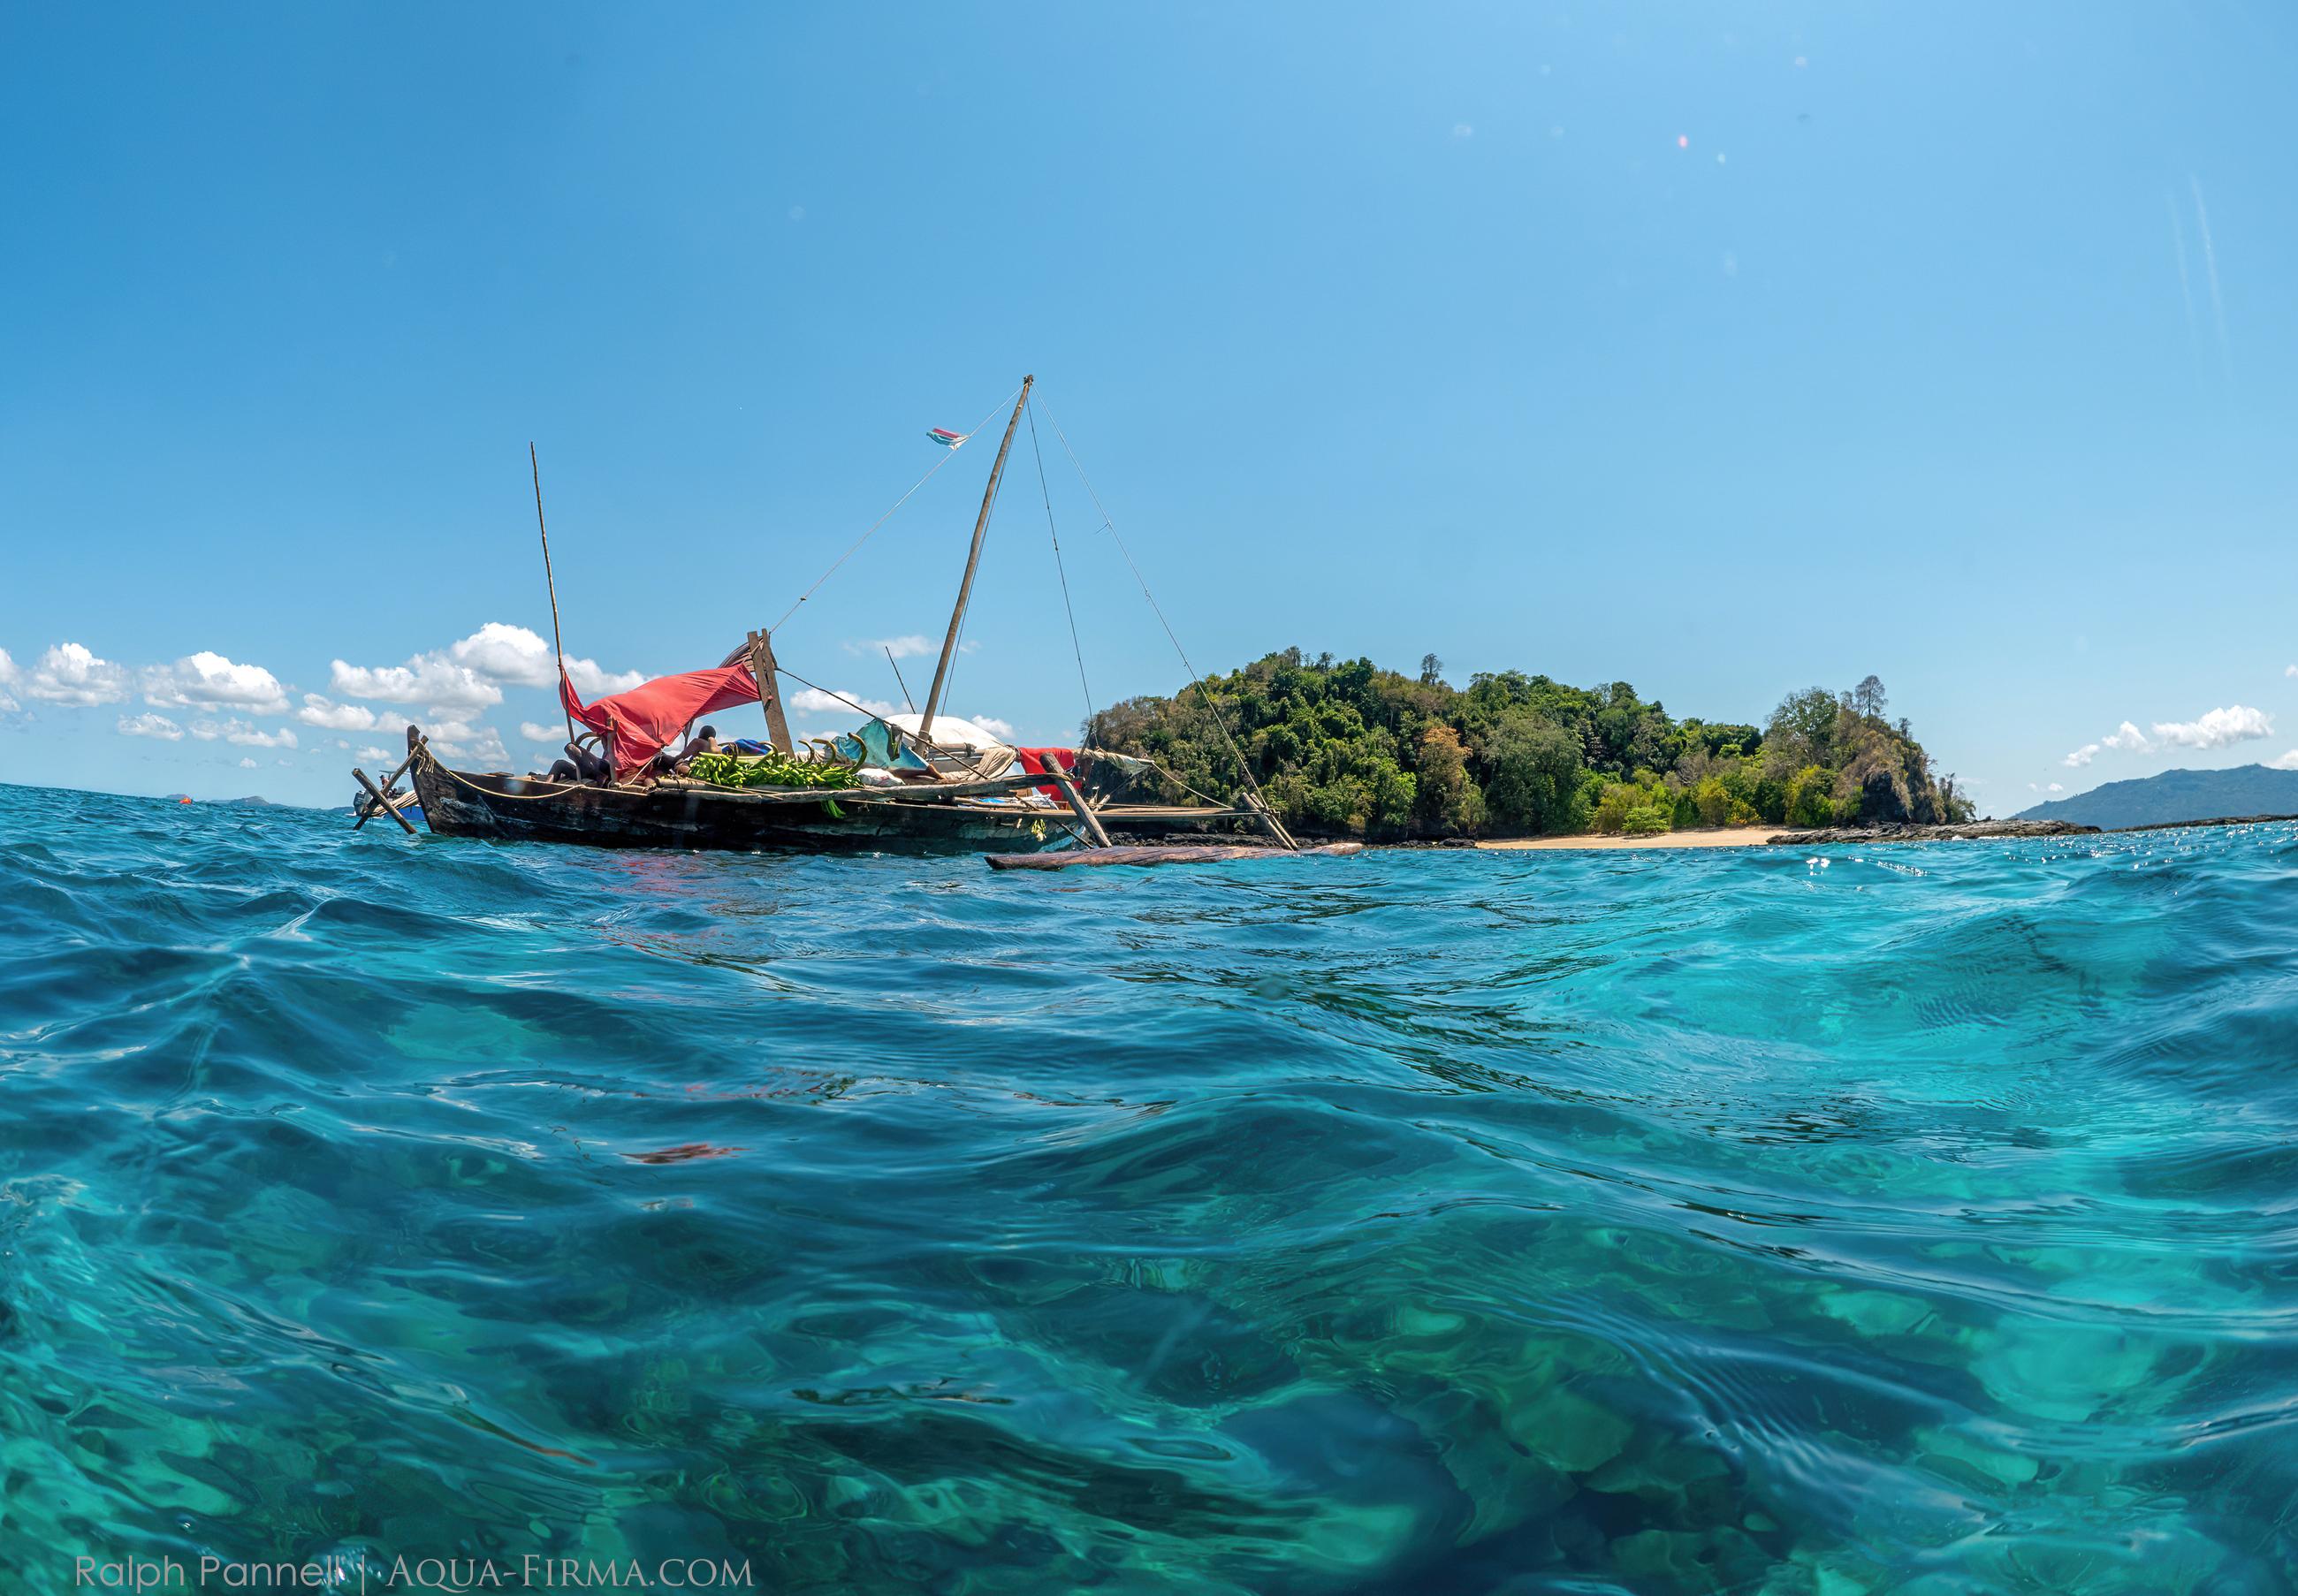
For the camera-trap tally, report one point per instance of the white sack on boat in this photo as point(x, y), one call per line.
point(982, 751)
point(949, 732)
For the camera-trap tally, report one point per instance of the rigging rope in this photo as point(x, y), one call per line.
point(949, 681)
point(945, 751)
point(946, 456)
point(1077, 647)
point(1244, 769)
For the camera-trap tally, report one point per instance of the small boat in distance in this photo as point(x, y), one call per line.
point(917, 784)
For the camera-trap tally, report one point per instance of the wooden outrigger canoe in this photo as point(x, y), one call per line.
point(943, 810)
point(938, 817)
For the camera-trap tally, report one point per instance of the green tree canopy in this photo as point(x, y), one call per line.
point(1348, 748)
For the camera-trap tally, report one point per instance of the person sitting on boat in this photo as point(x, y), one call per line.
point(707, 743)
point(580, 764)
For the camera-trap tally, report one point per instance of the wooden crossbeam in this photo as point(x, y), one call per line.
point(381, 802)
point(389, 783)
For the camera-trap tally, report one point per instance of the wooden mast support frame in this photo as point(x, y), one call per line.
point(381, 802)
point(389, 783)
point(770, 691)
point(973, 560)
point(1084, 812)
point(1266, 816)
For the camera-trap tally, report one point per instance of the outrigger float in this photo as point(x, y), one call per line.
point(893, 787)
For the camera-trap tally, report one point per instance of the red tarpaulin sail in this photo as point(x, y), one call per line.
point(640, 723)
point(1035, 760)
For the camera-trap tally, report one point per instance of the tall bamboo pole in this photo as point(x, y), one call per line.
point(965, 588)
point(558, 649)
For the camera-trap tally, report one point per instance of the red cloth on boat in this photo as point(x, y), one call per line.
point(1034, 760)
point(640, 723)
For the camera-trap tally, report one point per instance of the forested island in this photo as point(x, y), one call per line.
point(1348, 748)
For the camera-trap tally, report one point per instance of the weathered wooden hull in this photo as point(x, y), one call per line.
point(514, 808)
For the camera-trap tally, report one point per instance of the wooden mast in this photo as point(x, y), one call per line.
point(965, 588)
point(770, 691)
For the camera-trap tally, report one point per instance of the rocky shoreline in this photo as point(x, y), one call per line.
point(2224, 820)
point(1973, 829)
point(2004, 828)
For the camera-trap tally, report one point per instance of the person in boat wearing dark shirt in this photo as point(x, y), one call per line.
point(707, 743)
point(580, 765)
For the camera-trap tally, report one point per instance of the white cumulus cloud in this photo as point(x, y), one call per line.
point(374, 754)
point(470, 674)
point(431, 679)
point(503, 653)
point(534, 733)
point(2288, 670)
point(208, 679)
point(2130, 740)
point(516, 656)
point(814, 701)
point(151, 725)
point(239, 731)
point(1001, 730)
point(2220, 728)
point(318, 711)
point(593, 683)
point(10, 674)
point(2056, 788)
point(2081, 755)
point(67, 674)
point(247, 764)
point(900, 647)
point(460, 739)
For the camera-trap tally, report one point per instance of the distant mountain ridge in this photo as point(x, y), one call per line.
point(2177, 795)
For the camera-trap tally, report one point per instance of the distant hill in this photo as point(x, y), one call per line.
point(2177, 795)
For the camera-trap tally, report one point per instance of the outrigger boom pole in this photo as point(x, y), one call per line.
point(965, 588)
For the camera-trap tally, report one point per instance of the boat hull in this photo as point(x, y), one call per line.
point(517, 809)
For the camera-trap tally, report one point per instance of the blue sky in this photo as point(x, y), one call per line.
point(1720, 348)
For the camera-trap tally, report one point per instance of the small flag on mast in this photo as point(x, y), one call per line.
point(946, 438)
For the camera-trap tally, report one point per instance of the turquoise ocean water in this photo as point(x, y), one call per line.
point(1910, 1219)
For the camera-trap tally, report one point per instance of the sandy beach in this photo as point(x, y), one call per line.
point(1736, 837)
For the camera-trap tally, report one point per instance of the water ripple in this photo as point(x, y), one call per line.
point(1919, 1220)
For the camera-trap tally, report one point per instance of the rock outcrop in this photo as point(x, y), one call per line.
point(1974, 829)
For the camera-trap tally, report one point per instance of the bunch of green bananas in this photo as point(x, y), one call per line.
point(769, 769)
